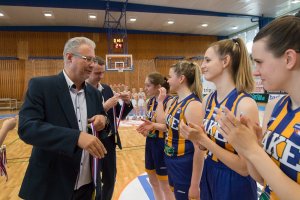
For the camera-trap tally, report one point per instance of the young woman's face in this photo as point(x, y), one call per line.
point(212, 65)
point(150, 89)
point(173, 80)
point(270, 69)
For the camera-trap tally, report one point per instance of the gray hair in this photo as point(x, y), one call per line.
point(73, 44)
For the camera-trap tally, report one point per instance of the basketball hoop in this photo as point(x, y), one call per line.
point(119, 62)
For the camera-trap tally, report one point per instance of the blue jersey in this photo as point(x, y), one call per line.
point(230, 102)
point(176, 145)
point(282, 140)
point(151, 115)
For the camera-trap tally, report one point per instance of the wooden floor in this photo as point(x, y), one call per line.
point(130, 161)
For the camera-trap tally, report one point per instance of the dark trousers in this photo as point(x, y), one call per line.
point(84, 192)
point(109, 168)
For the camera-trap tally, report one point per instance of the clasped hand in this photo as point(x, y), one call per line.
point(244, 135)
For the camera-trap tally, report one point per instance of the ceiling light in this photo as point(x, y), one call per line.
point(295, 1)
point(48, 14)
point(171, 22)
point(92, 16)
point(132, 19)
point(234, 27)
point(204, 25)
point(1, 14)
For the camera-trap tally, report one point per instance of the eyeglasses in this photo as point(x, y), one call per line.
point(88, 59)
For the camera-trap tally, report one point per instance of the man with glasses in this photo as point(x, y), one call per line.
point(110, 136)
point(54, 120)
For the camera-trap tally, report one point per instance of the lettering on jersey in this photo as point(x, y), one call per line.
point(211, 129)
point(291, 156)
point(290, 151)
point(172, 122)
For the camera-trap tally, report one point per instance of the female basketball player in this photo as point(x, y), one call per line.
point(276, 51)
point(225, 176)
point(154, 153)
point(184, 162)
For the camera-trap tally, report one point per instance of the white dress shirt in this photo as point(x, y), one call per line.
point(80, 108)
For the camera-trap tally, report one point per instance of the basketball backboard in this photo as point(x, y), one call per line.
point(119, 62)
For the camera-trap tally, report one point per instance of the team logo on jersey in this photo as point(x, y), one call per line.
point(169, 151)
point(297, 128)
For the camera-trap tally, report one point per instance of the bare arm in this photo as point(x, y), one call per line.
point(267, 114)
point(198, 159)
point(280, 183)
point(111, 102)
point(7, 125)
point(244, 139)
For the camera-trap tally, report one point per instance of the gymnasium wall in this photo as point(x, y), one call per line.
point(24, 55)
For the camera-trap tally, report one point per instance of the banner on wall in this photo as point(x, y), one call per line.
point(275, 96)
point(208, 86)
point(259, 88)
point(260, 97)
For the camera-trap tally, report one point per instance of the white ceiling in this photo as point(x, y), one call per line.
point(15, 14)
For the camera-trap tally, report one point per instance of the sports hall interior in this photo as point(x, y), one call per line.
point(33, 47)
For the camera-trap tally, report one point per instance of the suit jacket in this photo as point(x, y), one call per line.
point(108, 93)
point(48, 122)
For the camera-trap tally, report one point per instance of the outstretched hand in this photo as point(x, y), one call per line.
point(145, 127)
point(125, 96)
point(111, 102)
point(9, 123)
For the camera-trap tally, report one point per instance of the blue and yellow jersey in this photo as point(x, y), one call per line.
point(151, 115)
point(176, 145)
point(230, 102)
point(282, 140)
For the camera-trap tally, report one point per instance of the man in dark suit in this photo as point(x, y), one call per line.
point(54, 119)
point(110, 136)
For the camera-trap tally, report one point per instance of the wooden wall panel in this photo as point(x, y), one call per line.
point(12, 78)
point(34, 68)
point(46, 44)
point(15, 74)
point(22, 49)
point(150, 46)
point(163, 66)
point(142, 46)
point(8, 43)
